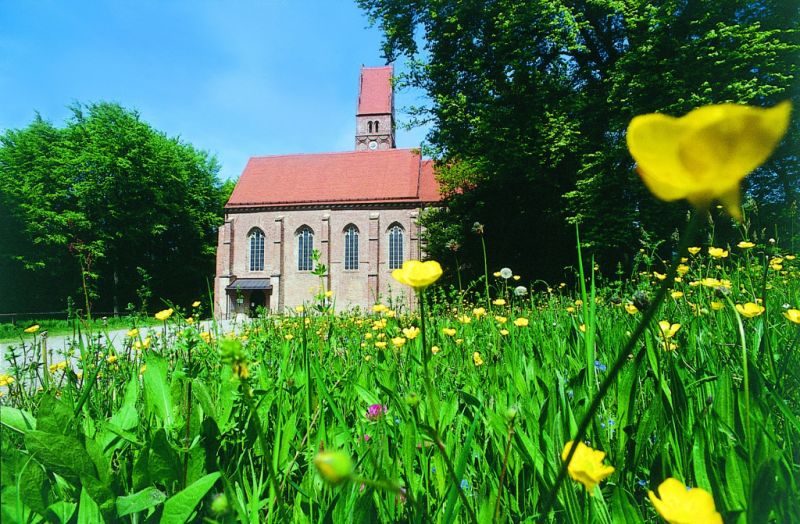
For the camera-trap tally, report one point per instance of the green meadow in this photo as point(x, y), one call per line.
point(456, 411)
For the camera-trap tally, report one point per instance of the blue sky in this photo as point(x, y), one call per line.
point(237, 79)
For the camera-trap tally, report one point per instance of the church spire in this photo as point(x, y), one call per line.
point(375, 113)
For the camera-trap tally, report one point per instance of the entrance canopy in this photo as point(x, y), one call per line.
point(249, 284)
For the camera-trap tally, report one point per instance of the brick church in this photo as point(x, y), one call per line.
point(358, 209)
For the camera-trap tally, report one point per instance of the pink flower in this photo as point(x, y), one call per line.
point(376, 411)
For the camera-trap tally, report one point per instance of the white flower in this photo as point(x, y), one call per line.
point(520, 291)
point(506, 273)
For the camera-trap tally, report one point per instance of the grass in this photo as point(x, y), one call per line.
point(470, 426)
point(16, 332)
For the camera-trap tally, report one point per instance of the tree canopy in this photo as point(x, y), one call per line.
point(109, 198)
point(531, 99)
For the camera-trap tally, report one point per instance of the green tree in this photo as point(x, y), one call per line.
point(107, 197)
point(531, 99)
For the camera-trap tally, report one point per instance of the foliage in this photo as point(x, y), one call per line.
point(530, 101)
point(110, 199)
point(228, 426)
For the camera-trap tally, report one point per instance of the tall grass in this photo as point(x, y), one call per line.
point(715, 406)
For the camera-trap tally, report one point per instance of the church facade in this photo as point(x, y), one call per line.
point(358, 210)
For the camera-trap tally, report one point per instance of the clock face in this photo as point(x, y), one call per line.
point(373, 144)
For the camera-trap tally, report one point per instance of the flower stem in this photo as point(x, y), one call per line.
point(622, 358)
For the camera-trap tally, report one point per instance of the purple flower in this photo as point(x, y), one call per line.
point(376, 411)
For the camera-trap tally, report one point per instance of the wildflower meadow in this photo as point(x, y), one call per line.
point(668, 394)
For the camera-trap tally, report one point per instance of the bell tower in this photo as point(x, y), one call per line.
point(375, 113)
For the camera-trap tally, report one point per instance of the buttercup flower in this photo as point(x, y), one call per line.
point(521, 322)
point(133, 333)
point(164, 314)
point(6, 380)
point(449, 331)
point(33, 329)
point(418, 275)
point(631, 309)
point(681, 505)
point(717, 252)
point(196, 303)
point(793, 315)
point(398, 342)
point(704, 155)
point(435, 349)
point(476, 358)
point(499, 302)
point(668, 330)
point(716, 306)
point(479, 312)
point(676, 294)
point(411, 333)
point(750, 309)
point(694, 250)
point(745, 245)
point(586, 465)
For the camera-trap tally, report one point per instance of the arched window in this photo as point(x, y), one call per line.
point(395, 246)
point(256, 244)
point(305, 245)
point(351, 247)
point(376, 126)
point(370, 126)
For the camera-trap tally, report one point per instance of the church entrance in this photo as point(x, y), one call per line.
point(258, 300)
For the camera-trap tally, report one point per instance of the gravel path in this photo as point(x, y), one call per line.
point(57, 346)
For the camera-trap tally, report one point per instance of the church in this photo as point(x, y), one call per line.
point(357, 209)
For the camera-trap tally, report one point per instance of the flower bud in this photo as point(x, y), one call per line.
point(334, 466)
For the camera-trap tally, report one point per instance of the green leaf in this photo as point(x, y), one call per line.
point(147, 498)
point(34, 487)
point(54, 415)
point(158, 397)
point(127, 416)
point(17, 419)
point(178, 509)
point(62, 511)
point(88, 510)
point(62, 454)
point(163, 462)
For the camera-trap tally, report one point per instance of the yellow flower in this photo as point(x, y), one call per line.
point(704, 155)
point(391, 313)
point(582, 327)
point(328, 294)
point(299, 309)
point(289, 336)
point(196, 303)
point(190, 321)
point(579, 302)
point(6, 380)
point(33, 329)
point(496, 274)
point(501, 319)
point(668, 330)
point(676, 294)
point(717, 252)
point(58, 366)
point(143, 369)
point(659, 276)
point(694, 250)
point(449, 331)
point(464, 319)
point(710, 282)
point(379, 308)
point(206, 336)
point(164, 314)
point(418, 275)
point(631, 309)
point(411, 333)
point(682, 269)
point(111, 359)
point(793, 315)
point(790, 257)
point(133, 333)
point(570, 309)
point(476, 358)
point(586, 465)
point(716, 306)
point(745, 245)
point(398, 342)
point(504, 332)
point(479, 312)
point(521, 322)
point(499, 302)
point(516, 277)
point(380, 345)
point(749, 310)
point(435, 349)
point(681, 505)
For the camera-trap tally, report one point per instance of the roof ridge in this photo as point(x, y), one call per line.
point(330, 153)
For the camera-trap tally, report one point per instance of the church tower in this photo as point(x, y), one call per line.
point(375, 113)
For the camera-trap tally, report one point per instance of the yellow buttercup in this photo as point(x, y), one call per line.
point(704, 155)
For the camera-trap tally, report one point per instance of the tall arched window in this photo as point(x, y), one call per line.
point(256, 244)
point(351, 247)
point(370, 126)
point(376, 126)
point(305, 245)
point(395, 246)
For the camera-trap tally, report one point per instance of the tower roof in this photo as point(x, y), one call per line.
point(375, 92)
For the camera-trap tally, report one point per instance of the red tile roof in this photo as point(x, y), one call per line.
point(375, 93)
point(355, 177)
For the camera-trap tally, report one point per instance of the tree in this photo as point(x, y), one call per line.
point(531, 99)
point(109, 198)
